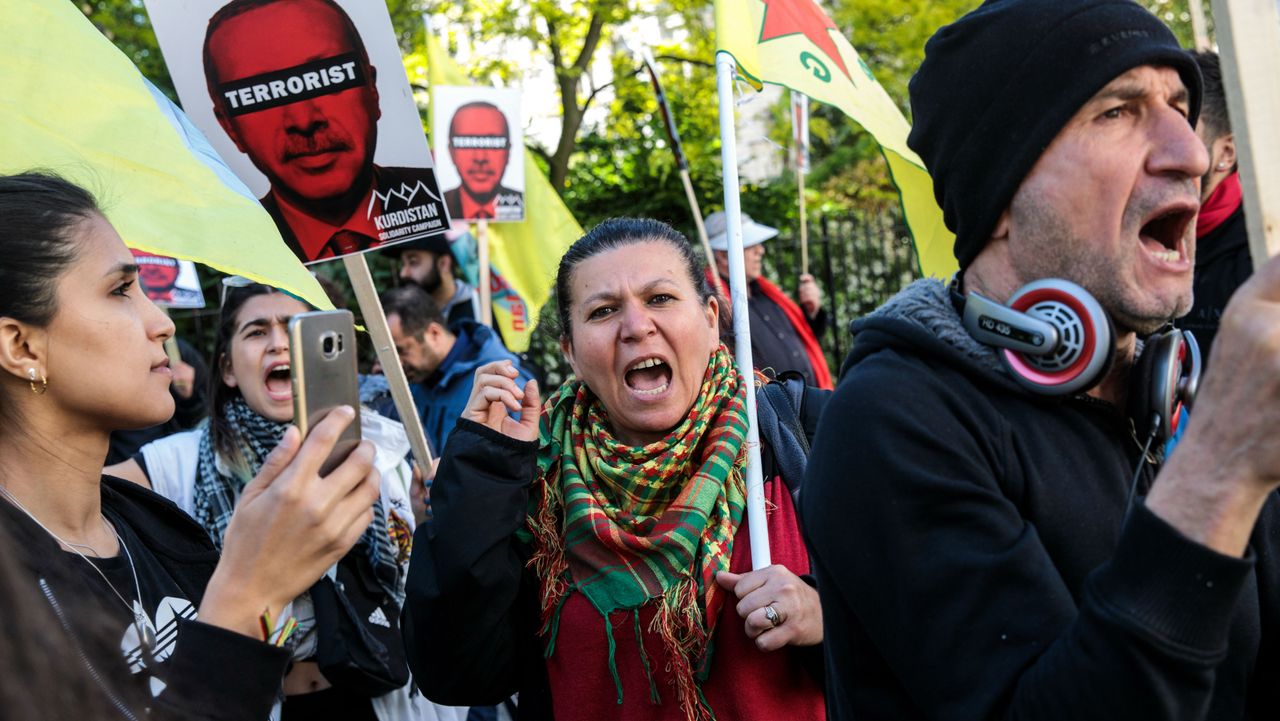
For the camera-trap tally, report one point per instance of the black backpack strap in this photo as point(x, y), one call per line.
point(778, 406)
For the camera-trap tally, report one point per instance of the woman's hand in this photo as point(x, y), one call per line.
point(797, 614)
point(494, 393)
point(419, 493)
point(290, 525)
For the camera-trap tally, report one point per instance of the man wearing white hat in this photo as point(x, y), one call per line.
point(784, 336)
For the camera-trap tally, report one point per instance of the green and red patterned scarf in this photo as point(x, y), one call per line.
point(631, 525)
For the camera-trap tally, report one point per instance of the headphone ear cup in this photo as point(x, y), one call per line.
point(1165, 379)
point(1147, 387)
point(1086, 340)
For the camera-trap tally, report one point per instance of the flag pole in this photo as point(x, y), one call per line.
point(1199, 28)
point(756, 521)
point(482, 258)
point(376, 323)
point(702, 230)
point(804, 226)
point(1249, 34)
point(682, 162)
point(800, 142)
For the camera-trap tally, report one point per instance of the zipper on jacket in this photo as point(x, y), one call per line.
point(84, 658)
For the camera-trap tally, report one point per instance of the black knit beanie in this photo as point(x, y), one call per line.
point(997, 86)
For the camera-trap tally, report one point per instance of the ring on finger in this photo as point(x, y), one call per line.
point(771, 614)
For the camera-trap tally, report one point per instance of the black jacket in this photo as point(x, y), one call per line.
point(469, 568)
point(1223, 263)
point(213, 673)
point(975, 562)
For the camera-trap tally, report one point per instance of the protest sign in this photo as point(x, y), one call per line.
point(524, 255)
point(308, 103)
point(167, 281)
point(480, 148)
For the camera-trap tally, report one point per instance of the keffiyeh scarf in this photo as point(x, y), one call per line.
point(216, 492)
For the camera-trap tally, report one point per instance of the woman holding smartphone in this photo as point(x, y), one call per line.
point(81, 355)
point(202, 471)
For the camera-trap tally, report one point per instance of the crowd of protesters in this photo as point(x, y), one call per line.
point(953, 533)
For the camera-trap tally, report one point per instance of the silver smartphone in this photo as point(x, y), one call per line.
point(322, 364)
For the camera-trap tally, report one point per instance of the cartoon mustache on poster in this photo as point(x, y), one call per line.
point(291, 96)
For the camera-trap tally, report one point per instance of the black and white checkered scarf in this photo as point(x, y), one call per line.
point(216, 493)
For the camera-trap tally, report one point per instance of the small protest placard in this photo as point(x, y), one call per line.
point(308, 103)
point(169, 282)
point(480, 149)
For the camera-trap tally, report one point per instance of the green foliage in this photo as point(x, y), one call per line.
point(623, 166)
point(125, 23)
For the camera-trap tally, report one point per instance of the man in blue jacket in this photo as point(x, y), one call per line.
point(439, 360)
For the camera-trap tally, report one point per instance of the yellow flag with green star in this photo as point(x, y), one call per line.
point(794, 44)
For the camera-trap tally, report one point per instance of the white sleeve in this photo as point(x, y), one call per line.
point(171, 467)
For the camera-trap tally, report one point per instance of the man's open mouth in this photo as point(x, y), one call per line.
point(1162, 235)
point(648, 376)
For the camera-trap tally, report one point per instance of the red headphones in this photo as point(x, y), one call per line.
point(1055, 339)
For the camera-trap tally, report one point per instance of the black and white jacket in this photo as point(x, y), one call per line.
point(212, 673)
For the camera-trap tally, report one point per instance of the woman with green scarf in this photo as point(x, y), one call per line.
point(591, 553)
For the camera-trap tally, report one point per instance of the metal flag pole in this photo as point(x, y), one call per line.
point(1249, 35)
point(1199, 28)
point(682, 162)
point(800, 141)
point(756, 522)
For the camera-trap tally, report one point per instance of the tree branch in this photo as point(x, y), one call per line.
point(686, 61)
point(587, 103)
point(553, 41)
point(589, 42)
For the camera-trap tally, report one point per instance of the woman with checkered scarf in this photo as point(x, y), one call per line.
point(591, 554)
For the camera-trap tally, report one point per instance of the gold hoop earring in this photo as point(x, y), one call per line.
point(44, 382)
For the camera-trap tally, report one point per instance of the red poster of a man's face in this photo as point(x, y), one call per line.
point(159, 273)
point(481, 152)
point(301, 105)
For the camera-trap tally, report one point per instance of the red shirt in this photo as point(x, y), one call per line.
point(745, 683)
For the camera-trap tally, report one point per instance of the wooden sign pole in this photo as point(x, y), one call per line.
point(376, 323)
point(482, 258)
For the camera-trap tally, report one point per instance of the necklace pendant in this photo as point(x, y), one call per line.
point(146, 633)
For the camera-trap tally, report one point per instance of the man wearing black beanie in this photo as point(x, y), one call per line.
point(974, 544)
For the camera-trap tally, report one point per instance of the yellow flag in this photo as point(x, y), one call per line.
point(71, 103)
point(524, 255)
point(793, 43)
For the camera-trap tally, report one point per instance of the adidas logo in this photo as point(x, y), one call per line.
point(379, 618)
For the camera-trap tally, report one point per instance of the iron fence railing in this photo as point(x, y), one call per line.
point(859, 261)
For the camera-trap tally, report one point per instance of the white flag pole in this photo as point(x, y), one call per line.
point(1249, 34)
point(1199, 28)
point(756, 521)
